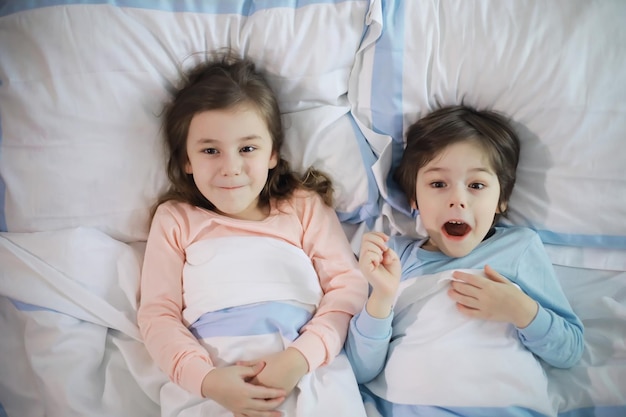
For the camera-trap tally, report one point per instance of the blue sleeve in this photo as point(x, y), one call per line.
point(367, 344)
point(556, 333)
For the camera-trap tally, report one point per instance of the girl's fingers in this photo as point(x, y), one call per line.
point(267, 394)
point(263, 408)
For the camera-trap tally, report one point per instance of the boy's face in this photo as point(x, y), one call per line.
point(457, 195)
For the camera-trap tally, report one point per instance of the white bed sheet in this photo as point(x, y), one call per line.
point(70, 346)
point(81, 87)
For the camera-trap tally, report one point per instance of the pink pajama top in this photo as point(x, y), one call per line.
point(304, 221)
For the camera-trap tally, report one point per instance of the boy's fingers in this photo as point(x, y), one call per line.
point(380, 235)
point(494, 275)
point(463, 276)
point(377, 239)
point(389, 256)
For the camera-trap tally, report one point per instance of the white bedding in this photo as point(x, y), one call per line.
point(554, 67)
point(73, 345)
point(433, 347)
point(81, 87)
point(70, 345)
point(235, 325)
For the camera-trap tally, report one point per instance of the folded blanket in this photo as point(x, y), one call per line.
point(246, 297)
point(439, 357)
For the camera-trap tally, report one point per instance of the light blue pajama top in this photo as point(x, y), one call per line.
point(555, 335)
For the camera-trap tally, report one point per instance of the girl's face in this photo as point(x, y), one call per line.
point(229, 155)
point(457, 195)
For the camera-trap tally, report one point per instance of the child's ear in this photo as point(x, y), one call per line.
point(188, 169)
point(414, 204)
point(273, 160)
point(502, 207)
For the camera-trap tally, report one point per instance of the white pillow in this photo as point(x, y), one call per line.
point(82, 88)
point(556, 68)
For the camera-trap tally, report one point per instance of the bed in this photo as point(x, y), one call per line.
point(82, 84)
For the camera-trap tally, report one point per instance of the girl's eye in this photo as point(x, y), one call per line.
point(437, 184)
point(248, 149)
point(477, 186)
point(210, 151)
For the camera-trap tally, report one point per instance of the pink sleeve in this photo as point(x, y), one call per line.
point(177, 352)
point(345, 288)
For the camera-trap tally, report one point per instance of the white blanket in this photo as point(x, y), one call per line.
point(246, 297)
point(70, 346)
point(440, 357)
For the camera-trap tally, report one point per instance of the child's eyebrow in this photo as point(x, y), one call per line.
point(212, 141)
point(436, 169)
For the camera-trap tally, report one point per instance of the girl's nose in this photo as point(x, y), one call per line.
point(231, 165)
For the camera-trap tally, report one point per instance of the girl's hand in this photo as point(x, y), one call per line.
point(492, 298)
point(230, 387)
point(381, 266)
point(282, 370)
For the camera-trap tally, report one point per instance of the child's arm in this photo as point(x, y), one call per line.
point(177, 352)
point(370, 331)
point(556, 333)
point(343, 285)
point(367, 345)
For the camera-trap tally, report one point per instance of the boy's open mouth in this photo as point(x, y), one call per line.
point(456, 228)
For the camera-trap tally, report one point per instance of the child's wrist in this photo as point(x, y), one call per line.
point(379, 306)
point(208, 384)
point(300, 364)
point(527, 313)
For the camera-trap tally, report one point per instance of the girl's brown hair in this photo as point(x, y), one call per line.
point(226, 81)
point(449, 125)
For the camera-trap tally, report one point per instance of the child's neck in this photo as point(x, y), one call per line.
point(429, 246)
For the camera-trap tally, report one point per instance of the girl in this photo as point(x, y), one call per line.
point(454, 322)
point(248, 282)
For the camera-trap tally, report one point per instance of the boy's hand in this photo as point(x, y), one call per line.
point(493, 298)
point(381, 266)
point(229, 387)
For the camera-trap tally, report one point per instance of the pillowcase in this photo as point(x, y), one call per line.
point(555, 68)
point(83, 86)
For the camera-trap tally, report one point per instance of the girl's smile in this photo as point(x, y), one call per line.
point(230, 154)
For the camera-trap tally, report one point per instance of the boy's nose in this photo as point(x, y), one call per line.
point(458, 198)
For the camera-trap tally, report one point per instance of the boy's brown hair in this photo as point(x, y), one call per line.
point(427, 137)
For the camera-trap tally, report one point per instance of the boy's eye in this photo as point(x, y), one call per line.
point(437, 184)
point(210, 151)
point(248, 149)
point(477, 186)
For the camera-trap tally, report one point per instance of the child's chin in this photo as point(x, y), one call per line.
point(456, 251)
